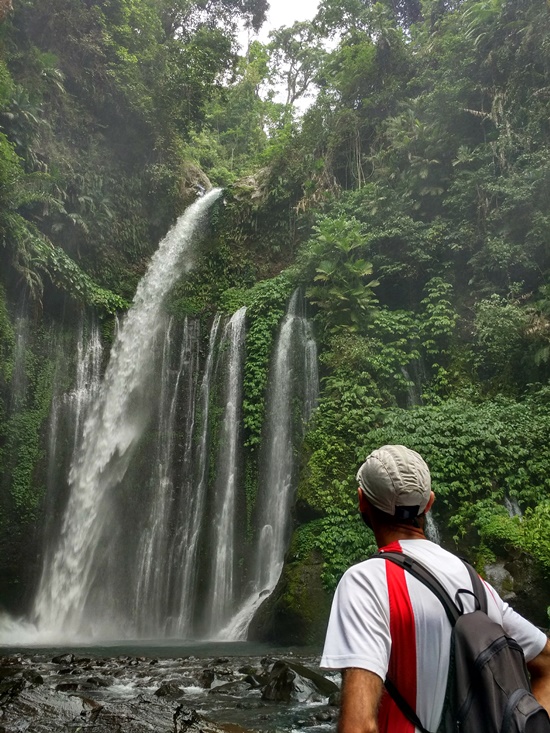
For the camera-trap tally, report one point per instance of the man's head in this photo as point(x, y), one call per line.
point(395, 480)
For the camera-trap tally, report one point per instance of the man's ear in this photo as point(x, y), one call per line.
point(430, 502)
point(363, 501)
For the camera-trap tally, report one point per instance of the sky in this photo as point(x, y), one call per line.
point(285, 12)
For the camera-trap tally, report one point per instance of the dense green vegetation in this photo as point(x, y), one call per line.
point(411, 201)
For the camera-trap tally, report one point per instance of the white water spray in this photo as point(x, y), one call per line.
point(72, 598)
point(191, 520)
point(222, 593)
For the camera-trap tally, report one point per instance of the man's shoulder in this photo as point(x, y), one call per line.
point(372, 568)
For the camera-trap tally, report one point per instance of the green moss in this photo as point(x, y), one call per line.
point(23, 436)
point(7, 341)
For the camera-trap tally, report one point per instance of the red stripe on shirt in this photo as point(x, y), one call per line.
point(402, 665)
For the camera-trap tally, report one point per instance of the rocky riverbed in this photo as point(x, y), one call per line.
point(42, 693)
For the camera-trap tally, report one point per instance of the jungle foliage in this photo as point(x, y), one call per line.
point(410, 200)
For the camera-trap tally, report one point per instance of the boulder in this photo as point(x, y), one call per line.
point(169, 690)
point(206, 678)
point(298, 609)
point(33, 677)
point(289, 681)
point(64, 659)
point(236, 689)
point(99, 682)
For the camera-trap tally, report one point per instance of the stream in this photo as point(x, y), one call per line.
point(214, 687)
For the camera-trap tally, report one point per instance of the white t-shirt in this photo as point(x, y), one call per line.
point(386, 621)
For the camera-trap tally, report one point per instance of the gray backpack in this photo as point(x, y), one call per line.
point(488, 688)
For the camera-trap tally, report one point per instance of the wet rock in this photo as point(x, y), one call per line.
point(248, 670)
point(64, 659)
point(290, 681)
point(230, 688)
point(99, 681)
point(248, 705)
point(323, 716)
point(185, 717)
point(188, 682)
point(66, 687)
point(10, 689)
point(267, 663)
point(187, 720)
point(335, 699)
point(169, 690)
point(221, 660)
point(33, 677)
point(255, 682)
point(82, 660)
point(206, 678)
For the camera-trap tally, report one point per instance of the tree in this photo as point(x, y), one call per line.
point(338, 274)
point(297, 55)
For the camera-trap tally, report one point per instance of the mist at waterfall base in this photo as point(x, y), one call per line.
point(134, 546)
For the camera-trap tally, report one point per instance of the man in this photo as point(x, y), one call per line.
point(385, 622)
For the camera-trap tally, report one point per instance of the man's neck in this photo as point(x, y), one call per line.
point(387, 535)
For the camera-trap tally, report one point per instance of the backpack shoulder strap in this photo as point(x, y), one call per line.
point(421, 573)
point(404, 706)
point(477, 586)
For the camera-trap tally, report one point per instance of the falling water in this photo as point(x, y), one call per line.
point(84, 584)
point(153, 583)
point(413, 397)
point(293, 376)
point(67, 417)
point(432, 530)
point(190, 523)
point(222, 593)
point(512, 506)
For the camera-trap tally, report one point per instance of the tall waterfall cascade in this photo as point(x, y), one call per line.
point(148, 531)
point(293, 376)
point(88, 583)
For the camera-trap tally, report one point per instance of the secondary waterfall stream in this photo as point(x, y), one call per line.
point(151, 538)
point(293, 378)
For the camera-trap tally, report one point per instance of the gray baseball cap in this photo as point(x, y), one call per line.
point(397, 480)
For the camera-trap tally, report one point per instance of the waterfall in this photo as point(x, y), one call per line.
point(512, 506)
point(190, 522)
point(88, 583)
point(431, 529)
point(67, 418)
point(152, 598)
point(146, 530)
point(413, 396)
point(293, 378)
point(224, 503)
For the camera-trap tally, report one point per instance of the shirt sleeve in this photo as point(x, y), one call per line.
point(358, 633)
point(531, 639)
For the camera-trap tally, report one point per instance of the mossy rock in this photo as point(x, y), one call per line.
point(298, 609)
